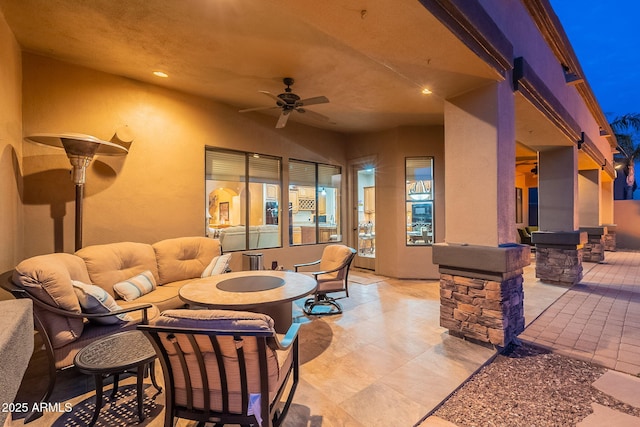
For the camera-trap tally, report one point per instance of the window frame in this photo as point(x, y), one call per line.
point(414, 240)
point(316, 210)
point(245, 181)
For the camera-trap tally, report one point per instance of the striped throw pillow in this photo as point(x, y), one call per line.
point(135, 287)
point(218, 265)
point(94, 300)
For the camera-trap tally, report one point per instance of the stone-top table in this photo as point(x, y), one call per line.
point(263, 291)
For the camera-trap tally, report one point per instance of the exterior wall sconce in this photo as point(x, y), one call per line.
point(80, 150)
point(580, 141)
point(570, 77)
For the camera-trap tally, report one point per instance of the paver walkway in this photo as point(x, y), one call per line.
point(597, 320)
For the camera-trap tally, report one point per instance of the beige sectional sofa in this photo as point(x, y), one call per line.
point(260, 237)
point(172, 262)
point(51, 281)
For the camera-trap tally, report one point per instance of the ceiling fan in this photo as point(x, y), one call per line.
point(528, 161)
point(288, 102)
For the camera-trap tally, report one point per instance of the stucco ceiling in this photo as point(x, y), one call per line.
point(371, 58)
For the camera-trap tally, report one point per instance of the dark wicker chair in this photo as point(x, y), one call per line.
point(216, 362)
point(332, 277)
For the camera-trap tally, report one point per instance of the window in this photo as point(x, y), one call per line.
point(243, 199)
point(419, 200)
point(314, 203)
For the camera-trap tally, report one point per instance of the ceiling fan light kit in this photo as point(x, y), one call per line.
point(288, 101)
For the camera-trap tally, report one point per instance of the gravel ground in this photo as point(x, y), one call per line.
point(529, 387)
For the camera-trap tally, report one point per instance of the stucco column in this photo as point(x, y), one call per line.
point(479, 129)
point(558, 189)
point(606, 213)
point(589, 213)
point(589, 197)
point(559, 244)
point(481, 294)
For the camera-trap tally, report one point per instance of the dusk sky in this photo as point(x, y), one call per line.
point(605, 36)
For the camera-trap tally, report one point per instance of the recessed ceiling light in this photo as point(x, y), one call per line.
point(160, 74)
point(426, 91)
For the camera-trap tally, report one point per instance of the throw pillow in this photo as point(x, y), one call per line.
point(135, 287)
point(218, 265)
point(94, 300)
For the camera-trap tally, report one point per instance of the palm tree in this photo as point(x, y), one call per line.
point(625, 128)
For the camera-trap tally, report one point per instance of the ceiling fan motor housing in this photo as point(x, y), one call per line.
point(289, 99)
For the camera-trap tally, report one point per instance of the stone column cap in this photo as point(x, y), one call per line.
point(499, 259)
point(559, 238)
point(597, 230)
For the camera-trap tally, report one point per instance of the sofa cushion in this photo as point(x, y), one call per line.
point(164, 297)
point(92, 331)
point(184, 257)
point(234, 238)
point(48, 278)
point(115, 262)
point(218, 265)
point(226, 320)
point(268, 236)
point(95, 300)
point(136, 286)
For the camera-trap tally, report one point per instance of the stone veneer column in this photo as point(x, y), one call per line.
point(559, 256)
point(610, 238)
point(481, 294)
point(594, 248)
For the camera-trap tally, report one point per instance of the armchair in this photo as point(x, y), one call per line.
point(62, 327)
point(332, 277)
point(525, 236)
point(226, 367)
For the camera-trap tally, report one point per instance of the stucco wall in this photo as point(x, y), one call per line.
point(393, 257)
point(157, 190)
point(11, 215)
point(516, 23)
point(627, 221)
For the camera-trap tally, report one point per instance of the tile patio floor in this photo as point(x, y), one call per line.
point(386, 361)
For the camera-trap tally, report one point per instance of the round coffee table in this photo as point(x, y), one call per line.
point(263, 291)
point(115, 355)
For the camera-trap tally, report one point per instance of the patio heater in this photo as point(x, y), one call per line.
point(80, 150)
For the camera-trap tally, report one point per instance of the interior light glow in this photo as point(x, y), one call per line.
point(160, 74)
point(426, 91)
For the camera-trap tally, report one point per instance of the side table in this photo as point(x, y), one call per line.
point(115, 355)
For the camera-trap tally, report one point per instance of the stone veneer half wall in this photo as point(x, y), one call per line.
point(595, 246)
point(481, 293)
point(559, 256)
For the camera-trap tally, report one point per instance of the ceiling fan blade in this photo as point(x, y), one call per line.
point(312, 101)
point(313, 115)
point(246, 110)
point(282, 120)
point(279, 101)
